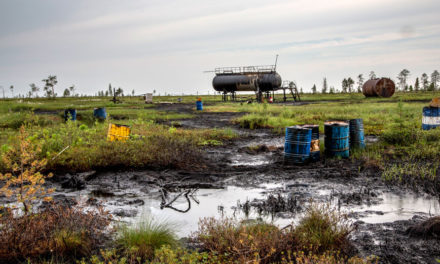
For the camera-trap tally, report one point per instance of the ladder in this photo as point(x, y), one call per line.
point(288, 85)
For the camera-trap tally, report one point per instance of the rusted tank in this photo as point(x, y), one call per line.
point(381, 87)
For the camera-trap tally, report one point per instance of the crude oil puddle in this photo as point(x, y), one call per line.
point(132, 205)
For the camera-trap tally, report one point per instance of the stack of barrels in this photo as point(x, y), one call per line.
point(302, 141)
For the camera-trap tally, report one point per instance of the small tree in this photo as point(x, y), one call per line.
point(119, 92)
point(110, 89)
point(324, 86)
point(12, 90)
point(435, 78)
point(132, 92)
point(66, 93)
point(350, 83)
point(49, 85)
point(424, 80)
point(34, 89)
point(332, 90)
point(402, 77)
point(417, 85)
point(24, 181)
point(72, 90)
point(344, 85)
point(372, 75)
point(360, 83)
point(314, 89)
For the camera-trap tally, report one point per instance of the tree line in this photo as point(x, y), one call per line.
point(424, 83)
point(48, 89)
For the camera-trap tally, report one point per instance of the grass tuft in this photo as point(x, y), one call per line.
point(142, 239)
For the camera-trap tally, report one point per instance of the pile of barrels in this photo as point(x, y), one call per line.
point(302, 141)
point(99, 114)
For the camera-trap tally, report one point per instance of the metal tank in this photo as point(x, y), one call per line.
point(250, 78)
point(381, 87)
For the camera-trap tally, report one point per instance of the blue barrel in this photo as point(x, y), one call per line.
point(100, 113)
point(297, 145)
point(431, 118)
point(357, 133)
point(336, 140)
point(315, 153)
point(199, 105)
point(70, 114)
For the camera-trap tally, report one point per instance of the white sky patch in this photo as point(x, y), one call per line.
point(166, 45)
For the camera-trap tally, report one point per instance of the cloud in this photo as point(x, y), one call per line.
point(165, 45)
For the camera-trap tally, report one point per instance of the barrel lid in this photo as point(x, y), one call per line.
point(336, 123)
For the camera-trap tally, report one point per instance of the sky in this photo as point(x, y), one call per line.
point(166, 45)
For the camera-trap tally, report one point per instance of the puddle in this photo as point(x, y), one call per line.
point(398, 207)
point(212, 203)
point(242, 159)
point(388, 207)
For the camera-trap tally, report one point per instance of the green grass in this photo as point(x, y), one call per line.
point(143, 238)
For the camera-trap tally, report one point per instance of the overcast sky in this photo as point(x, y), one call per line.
point(165, 45)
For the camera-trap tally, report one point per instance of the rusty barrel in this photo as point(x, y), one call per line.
point(315, 152)
point(381, 87)
point(297, 145)
point(336, 139)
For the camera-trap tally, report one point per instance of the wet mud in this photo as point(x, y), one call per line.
point(247, 179)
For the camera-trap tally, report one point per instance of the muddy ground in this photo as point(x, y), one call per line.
point(246, 178)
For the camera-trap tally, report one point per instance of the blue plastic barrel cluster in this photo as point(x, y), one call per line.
point(100, 113)
point(199, 105)
point(314, 144)
point(70, 114)
point(336, 141)
point(297, 144)
point(357, 134)
point(431, 118)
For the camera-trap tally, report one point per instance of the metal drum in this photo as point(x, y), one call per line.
point(337, 139)
point(100, 113)
point(297, 145)
point(315, 152)
point(70, 114)
point(357, 134)
point(199, 105)
point(431, 118)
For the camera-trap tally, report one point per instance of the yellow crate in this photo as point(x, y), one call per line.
point(118, 132)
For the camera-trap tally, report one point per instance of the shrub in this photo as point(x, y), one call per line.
point(141, 240)
point(254, 242)
point(23, 181)
point(323, 229)
point(56, 232)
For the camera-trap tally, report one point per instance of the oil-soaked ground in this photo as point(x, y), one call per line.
point(248, 180)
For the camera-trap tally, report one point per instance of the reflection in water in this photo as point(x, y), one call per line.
point(225, 203)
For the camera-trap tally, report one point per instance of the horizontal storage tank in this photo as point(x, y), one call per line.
point(246, 82)
point(383, 87)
